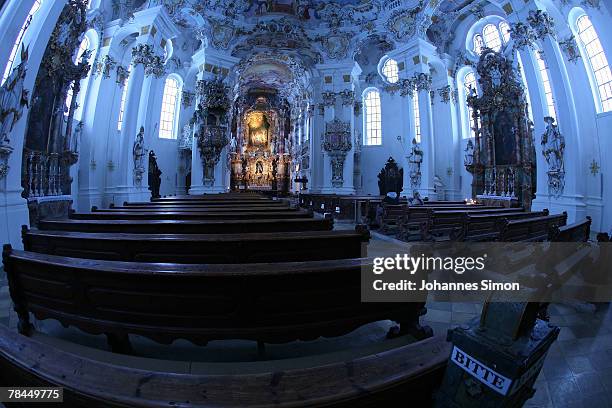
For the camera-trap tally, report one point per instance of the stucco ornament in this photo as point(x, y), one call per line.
point(405, 23)
point(105, 66)
point(522, 35)
point(542, 23)
point(144, 55)
point(570, 47)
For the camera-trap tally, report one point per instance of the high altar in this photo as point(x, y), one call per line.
point(260, 148)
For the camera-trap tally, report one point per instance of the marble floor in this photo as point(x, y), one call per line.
point(577, 371)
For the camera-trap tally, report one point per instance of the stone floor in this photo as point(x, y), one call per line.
point(577, 371)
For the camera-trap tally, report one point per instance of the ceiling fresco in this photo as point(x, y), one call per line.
point(299, 34)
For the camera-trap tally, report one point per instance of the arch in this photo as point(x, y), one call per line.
point(168, 121)
point(372, 119)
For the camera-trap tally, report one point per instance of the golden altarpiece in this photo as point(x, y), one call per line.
point(259, 149)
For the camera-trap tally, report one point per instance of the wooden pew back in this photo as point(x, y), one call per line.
point(189, 226)
point(532, 229)
point(200, 248)
point(273, 303)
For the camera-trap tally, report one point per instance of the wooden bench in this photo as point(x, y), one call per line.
point(194, 209)
point(166, 215)
point(270, 303)
point(189, 226)
point(200, 248)
point(487, 227)
point(414, 222)
point(442, 221)
point(275, 204)
point(536, 229)
point(408, 372)
point(576, 232)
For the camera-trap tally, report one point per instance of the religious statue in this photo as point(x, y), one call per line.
point(468, 158)
point(138, 152)
point(259, 168)
point(415, 159)
point(553, 149)
point(154, 175)
point(233, 144)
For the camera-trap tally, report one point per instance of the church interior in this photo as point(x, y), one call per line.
point(197, 196)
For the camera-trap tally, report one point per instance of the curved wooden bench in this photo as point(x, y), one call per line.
point(576, 232)
point(213, 215)
point(199, 248)
point(188, 226)
point(406, 373)
point(487, 227)
point(267, 302)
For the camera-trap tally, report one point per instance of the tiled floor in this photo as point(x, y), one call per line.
point(577, 371)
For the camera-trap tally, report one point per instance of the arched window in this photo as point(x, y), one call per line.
point(123, 98)
point(491, 37)
point(416, 112)
point(597, 61)
point(167, 121)
point(17, 45)
point(478, 44)
point(546, 85)
point(504, 29)
point(519, 61)
point(391, 71)
point(469, 86)
point(372, 117)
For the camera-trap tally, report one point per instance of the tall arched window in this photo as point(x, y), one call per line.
point(597, 61)
point(18, 41)
point(469, 85)
point(123, 98)
point(504, 29)
point(391, 71)
point(491, 37)
point(372, 118)
point(416, 112)
point(169, 110)
point(546, 85)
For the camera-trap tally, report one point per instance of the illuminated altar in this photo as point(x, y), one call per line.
point(259, 153)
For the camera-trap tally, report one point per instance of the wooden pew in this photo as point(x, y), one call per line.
point(414, 222)
point(216, 215)
point(532, 229)
point(442, 221)
point(407, 372)
point(200, 248)
point(95, 209)
point(275, 204)
point(576, 232)
point(487, 227)
point(271, 303)
point(189, 226)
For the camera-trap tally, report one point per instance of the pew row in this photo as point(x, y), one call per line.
point(173, 209)
point(265, 302)
point(213, 215)
point(410, 372)
point(536, 229)
point(487, 227)
point(200, 248)
point(189, 226)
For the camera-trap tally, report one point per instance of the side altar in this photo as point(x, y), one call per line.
point(502, 157)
